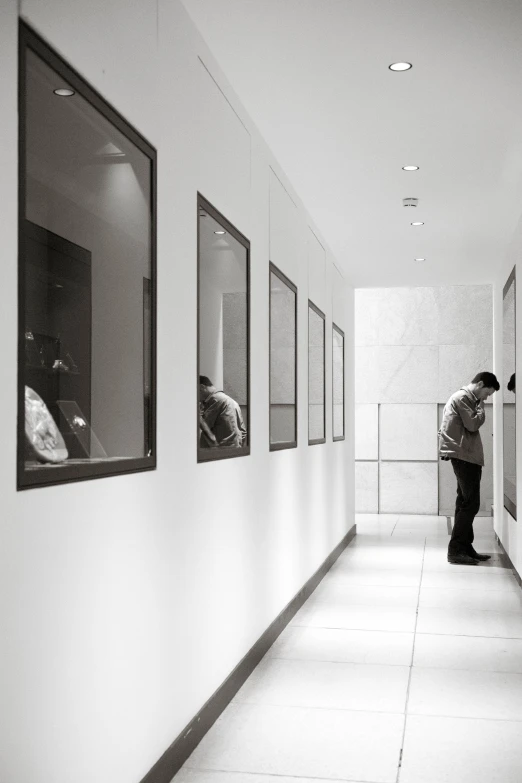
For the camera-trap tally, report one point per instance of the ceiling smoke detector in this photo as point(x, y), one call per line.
point(410, 202)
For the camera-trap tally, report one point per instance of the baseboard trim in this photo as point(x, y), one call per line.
point(176, 755)
point(515, 572)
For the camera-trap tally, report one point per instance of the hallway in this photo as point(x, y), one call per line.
point(400, 667)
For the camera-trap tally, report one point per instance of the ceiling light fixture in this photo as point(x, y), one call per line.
point(417, 223)
point(220, 232)
point(420, 259)
point(410, 168)
point(64, 92)
point(400, 66)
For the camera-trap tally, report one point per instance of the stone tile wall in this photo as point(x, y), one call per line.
point(413, 348)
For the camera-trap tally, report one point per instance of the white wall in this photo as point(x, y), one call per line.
point(126, 601)
point(506, 527)
point(414, 348)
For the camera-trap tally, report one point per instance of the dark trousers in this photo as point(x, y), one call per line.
point(467, 506)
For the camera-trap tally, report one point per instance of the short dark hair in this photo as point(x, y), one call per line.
point(204, 381)
point(511, 383)
point(488, 379)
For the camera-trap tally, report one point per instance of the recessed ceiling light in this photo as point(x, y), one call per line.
point(220, 232)
point(417, 223)
point(64, 92)
point(420, 259)
point(410, 168)
point(400, 66)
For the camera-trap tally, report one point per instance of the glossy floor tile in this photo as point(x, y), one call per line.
point(409, 546)
point(396, 650)
point(436, 561)
point(409, 549)
point(405, 528)
point(486, 544)
point(396, 557)
point(421, 522)
point(466, 694)
point(335, 591)
point(362, 618)
point(384, 529)
point(187, 775)
point(326, 644)
point(303, 742)
point(326, 684)
point(364, 575)
point(437, 543)
point(466, 622)
point(379, 519)
point(470, 653)
point(469, 579)
point(460, 750)
point(481, 598)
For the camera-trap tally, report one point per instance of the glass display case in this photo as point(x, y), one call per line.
point(87, 294)
point(509, 396)
point(316, 376)
point(223, 381)
point(337, 382)
point(283, 361)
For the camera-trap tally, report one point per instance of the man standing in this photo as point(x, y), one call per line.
point(221, 420)
point(460, 442)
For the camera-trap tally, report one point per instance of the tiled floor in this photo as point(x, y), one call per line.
point(400, 668)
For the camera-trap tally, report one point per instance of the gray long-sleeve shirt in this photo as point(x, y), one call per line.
point(223, 416)
point(459, 435)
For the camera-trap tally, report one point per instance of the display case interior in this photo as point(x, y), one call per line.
point(337, 382)
point(223, 383)
point(283, 361)
point(86, 280)
point(316, 376)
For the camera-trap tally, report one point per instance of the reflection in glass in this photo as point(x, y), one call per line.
point(283, 361)
point(509, 400)
point(86, 249)
point(338, 382)
point(316, 375)
point(223, 308)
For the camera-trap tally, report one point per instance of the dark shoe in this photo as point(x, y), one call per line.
point(462, 559)
point(476, 555)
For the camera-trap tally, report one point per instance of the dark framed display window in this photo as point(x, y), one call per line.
point(509, 416)
point(283, 361)
point(87, 280)
point(337, 383)
point(316, 376)
point(223, 381)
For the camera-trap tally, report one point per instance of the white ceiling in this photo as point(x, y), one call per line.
point(314, 77)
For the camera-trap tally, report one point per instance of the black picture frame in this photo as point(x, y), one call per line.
point(337, 438)
point(312, 306)
point(511, 281)
point(63, 473)
point(212, 455)
point(273, 269)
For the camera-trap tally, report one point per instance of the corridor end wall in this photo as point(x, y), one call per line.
point(414, 348)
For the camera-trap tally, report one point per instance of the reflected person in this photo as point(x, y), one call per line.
point(511, 384)
point(460, 442)
point(221, 421)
